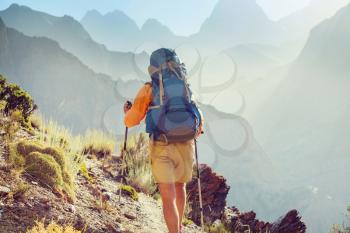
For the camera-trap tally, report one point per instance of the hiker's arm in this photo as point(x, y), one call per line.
point(139, 108)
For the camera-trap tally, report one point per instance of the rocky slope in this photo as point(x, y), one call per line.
point(215, 190)
point(18, 212)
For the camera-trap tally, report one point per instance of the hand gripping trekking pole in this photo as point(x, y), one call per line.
point(199, 186)
point(123, 160)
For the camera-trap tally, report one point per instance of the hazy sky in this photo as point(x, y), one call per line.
point(182, 16)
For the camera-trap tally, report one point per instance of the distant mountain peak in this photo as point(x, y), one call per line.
point(117, 12)
point(234, 22)
point(16, 7)
point(152, 23)
point(93, 13)
point(152, 27)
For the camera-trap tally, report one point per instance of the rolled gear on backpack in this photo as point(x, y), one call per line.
point(172, 114)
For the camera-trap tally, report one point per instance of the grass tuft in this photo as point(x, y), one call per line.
point(130, 191)
point(98, 143)
point(139, 169)
point(45, 168)
point(47, 164)
point(52, 228)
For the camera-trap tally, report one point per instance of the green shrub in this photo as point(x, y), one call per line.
point(47, 164)
point(186, 221)
point(16, 98)
point(57, 154)
point(130, 191)
point(45, 168)
point(15, 158)
point(84, 172)
point(53, 135)
point(24, 148)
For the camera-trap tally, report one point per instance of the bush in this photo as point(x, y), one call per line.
point(47, 164)
point(52, 228)
point(84, 172)
point(45, 168)
point(14, 99)
point(10, 125)
point(60, 139)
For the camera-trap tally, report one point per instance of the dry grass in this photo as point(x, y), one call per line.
point(216, 228)
point(53, 135)
point(52, 228)
point(139, 168)
point(98, 143)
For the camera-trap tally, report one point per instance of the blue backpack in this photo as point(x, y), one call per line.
point(172, 114)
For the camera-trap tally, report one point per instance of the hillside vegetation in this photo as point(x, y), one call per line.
point(70, 183)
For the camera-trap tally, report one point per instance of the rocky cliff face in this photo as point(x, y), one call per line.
point(214, 193)
point(241, 222)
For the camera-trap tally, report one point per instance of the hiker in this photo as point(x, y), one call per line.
point(173, 121)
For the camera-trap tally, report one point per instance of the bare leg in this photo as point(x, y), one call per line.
point(180, 200)
point(171, 214)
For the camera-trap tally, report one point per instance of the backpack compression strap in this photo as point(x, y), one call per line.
point(171, 65)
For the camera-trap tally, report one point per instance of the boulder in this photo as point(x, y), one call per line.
point(242, 222)
point(290, 223)
point(214, 193)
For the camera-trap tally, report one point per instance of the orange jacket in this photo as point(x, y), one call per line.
point(140, 106)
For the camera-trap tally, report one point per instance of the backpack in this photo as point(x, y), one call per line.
point(172, 114)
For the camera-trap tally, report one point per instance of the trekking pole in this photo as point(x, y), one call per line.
point(122, 154)
point(199, 186)
point(123, 160)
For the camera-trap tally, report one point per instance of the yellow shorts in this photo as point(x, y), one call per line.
point(173, 162)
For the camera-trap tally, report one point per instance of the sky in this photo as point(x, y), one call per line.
point(184, 17)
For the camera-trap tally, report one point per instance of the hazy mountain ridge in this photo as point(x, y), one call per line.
point(42, 68)
point(327, 49)
point(119, 32)
point(302, 21)
point(72, 37)
point(114, 29)
point(311, 107)
point(247, 24)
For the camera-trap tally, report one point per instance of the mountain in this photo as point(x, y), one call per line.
point(153, 30)
point(64, 88)
point(258, 60)
point(302, 21)
point(72, 37)
point(119, 32)
point(234, 22)
point(311, 106)
point(114, 29)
